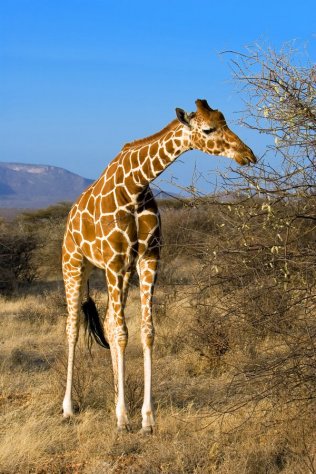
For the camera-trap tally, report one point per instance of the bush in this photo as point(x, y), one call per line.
point(16, 253)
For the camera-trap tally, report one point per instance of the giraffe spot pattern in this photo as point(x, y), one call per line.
point(115, 225)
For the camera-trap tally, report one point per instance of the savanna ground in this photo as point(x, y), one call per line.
point(234, 360)
point(235, 306)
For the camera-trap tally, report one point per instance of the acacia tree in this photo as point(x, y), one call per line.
point(256, 292)
point(279, 90)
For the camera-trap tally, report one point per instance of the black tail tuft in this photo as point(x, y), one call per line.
point(93, 326)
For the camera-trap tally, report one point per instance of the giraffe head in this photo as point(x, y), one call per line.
point(209, 133)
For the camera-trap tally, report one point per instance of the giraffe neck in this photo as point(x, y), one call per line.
point(148, 158)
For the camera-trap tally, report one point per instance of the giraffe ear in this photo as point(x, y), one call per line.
point(183, 117)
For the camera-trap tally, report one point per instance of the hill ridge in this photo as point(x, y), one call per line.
point(28, 185)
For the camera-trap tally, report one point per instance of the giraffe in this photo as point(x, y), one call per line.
point(115, 226)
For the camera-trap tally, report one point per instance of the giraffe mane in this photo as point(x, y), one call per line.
point(151, 138)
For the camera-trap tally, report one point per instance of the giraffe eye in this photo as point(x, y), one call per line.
point(209, 130)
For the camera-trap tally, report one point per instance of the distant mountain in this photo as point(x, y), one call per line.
point(34, 186)
point(26, 186)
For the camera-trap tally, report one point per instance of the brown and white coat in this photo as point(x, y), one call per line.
point(115, 225)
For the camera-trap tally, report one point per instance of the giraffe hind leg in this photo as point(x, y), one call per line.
point(75, 279)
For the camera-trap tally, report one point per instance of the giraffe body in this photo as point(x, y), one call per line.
point(115, 226)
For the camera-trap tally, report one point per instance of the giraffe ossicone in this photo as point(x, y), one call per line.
point(115, 225)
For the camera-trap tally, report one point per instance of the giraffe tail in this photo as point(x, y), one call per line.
point(93, 325)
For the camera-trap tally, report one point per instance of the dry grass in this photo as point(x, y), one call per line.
point(205, 421)
point(234, 367)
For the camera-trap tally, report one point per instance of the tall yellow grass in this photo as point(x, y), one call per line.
point(192, 435)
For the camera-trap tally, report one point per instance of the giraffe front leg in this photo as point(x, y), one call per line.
point(118, 336)
point(147, 269)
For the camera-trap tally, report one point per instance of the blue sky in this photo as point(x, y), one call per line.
point(79, 78)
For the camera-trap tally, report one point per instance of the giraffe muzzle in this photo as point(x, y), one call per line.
point(251, 158)
point(247, 158)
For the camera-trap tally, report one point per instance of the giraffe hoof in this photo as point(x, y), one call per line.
point(147, 430)
point(69, 418)
point(70, 411)
point(124, 429)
